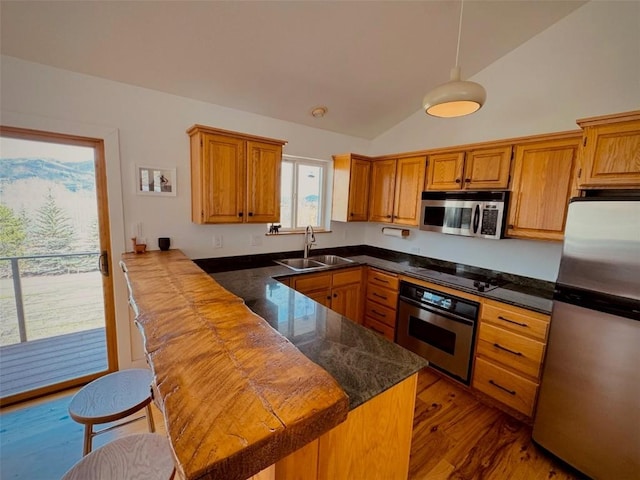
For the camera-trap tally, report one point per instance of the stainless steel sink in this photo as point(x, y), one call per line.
point(330, 259)
point(301, 263)
point(313, 263)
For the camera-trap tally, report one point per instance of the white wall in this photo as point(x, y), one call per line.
point(587, 64)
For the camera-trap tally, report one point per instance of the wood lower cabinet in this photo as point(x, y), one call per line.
point(350, 188)
point(381, 302)
point(396, 185)
point(543, 179)
point(374, 442)
point(482, 168)
point(610, 154)
point(511, 342)
point(235, 178)
point(339, 290)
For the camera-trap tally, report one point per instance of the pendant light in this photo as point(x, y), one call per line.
point(456, 97)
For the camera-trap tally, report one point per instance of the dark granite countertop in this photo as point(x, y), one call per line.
point(364, 363)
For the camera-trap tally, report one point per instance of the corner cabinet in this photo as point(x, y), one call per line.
point(485, 168)
point(543, 179)
point(396, 185)
point(235, 178)
point(610, 154)
point(350, 188)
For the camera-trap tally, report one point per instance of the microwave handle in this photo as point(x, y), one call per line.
point(476, 218)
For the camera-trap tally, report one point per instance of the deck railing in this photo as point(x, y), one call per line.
point(64, 265)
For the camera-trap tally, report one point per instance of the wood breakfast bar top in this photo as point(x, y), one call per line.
point(236, 395)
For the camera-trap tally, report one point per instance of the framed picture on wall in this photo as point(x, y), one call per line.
point(155, 181)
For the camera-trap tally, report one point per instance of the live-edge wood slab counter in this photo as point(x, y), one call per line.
point(235, 394)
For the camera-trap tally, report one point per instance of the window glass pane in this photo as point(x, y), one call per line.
point(309, 195)
point(286, 195)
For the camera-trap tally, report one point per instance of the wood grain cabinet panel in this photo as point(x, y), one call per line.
point(235, 177)
point(610, 153)
point(396, 185)
point(515, 319)
point(483, 168)
point(543, 177)
point(381, 302)
point(351, 176)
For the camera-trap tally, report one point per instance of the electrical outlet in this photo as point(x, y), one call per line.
point(256, 240)
point(217, 241)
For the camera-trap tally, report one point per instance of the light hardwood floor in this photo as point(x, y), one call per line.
point(454, 437)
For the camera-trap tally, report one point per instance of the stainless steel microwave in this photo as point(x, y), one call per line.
point(472, 214)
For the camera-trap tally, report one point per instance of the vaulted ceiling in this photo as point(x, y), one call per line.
point(369, 63)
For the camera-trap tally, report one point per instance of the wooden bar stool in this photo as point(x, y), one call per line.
point(144, 456)
point(111, 398)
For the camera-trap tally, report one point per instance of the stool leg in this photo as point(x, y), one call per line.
point(88, 435)
point(152, 427)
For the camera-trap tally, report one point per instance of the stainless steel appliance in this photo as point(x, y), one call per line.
point(439, 327)
point(472, 214)
point(589, 405)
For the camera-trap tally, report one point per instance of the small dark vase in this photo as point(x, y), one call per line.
point(164, 243)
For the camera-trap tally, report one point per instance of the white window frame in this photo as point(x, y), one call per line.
point(324, 194)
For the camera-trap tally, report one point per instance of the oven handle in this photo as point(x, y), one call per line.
point(437, 311)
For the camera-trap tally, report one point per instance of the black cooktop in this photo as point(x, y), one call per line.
point(464, 279)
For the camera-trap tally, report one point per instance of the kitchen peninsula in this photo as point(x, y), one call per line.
point(331, 400)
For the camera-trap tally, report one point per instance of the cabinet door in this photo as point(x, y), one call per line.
point(222, 177)
point(487, 168)
point(346, 300)
point(263, 182)
point(445, 171)
point(359, 190)
point(541, 188)
point(408, 190)
point(611, 156)
point(383, 180)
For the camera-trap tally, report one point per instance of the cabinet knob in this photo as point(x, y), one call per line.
point(458, 180)
point(329, 297)
point(251, 214)
point(335, 295)
point(388, 216)
point(240, 214)
point(467, 180)
point(351, 214)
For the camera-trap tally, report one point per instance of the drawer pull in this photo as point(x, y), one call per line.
point(510, 392)
point(497, 345)
point(379, 296)
point(512, 321)
point(381, 280)
point(378, 313)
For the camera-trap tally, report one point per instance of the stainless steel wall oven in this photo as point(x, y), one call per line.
point(439, 327)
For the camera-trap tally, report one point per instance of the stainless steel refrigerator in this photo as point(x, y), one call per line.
point(589, 405)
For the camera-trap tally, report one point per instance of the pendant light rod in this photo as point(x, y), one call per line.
point(459, 31)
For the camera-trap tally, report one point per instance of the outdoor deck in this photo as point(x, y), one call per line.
point(37, 363)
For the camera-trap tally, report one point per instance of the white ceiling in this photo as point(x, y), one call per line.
point(370, 63)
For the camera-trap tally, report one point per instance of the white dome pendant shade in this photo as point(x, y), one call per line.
point(456, 97)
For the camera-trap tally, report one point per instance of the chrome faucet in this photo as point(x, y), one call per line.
point(309, 240)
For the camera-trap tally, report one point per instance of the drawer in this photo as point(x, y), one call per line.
point(383, 279)
point(382, 295)
point(513, 350)
point(381, 328)
point(379, 313)
point(347, 277)
point(516, 319)
point(309, 283)
point(511, 389)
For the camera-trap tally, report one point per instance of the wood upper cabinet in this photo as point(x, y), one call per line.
point(543, 177)
point(235, 178)
point(350, 188)
point(396, 185)
point(485, 168)
point(610, 154)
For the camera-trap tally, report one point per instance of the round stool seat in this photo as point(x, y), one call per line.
point(144, 456)
point(110, 398)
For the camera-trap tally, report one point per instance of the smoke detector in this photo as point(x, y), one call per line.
point(319, 112)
